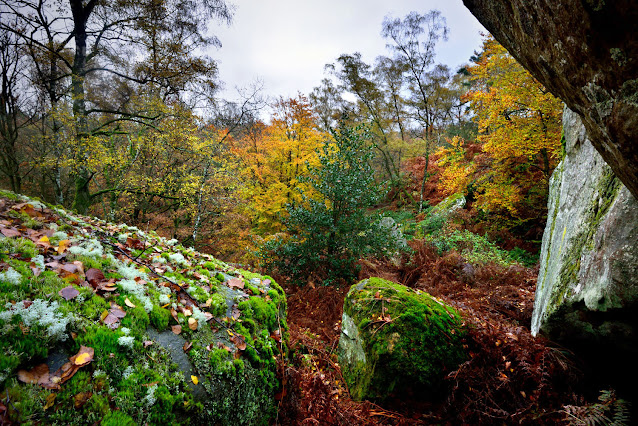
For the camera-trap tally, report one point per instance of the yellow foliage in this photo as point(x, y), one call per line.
point(275, 157)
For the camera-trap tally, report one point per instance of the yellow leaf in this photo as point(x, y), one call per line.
point(44, 239)
point(128, 303)
point(195, 380)
point(104, 314)
point(63, 245)
point(83, 358)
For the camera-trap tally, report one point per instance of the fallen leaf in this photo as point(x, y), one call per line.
point(36, 271)
point(83, 357)
point(128, 303)
point(69, 292)
point(117, 311)
point(10, 232)
point(94, 276)
point(103, 315)
point(239, 342)
point(80, 399)
point(177, 329)
point(34, 375)
point(174, 315)
point(192, 324)
point(236, 283)
point(147, 343)
point(63, 245)
point(110, 319)
point(276, 335)
point(195, 380)
point(187, 346)
point(50, 400)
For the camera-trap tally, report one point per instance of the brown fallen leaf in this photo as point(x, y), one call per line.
point(117, 311)
point(174, 315)
point(34, 375)
point(10, 232)
point(94, 276)
point(276, 335)
point(80, 399)
point(239, 342)
point(192, 324)
point(177, 329)
point(236, 283)
point(69, 292)
point(36, 271)
point(147, 343)
point(188, 346)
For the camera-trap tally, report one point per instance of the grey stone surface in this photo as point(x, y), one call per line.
point(588, 279)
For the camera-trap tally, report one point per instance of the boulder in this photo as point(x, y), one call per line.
point(438, 215)
point(587, 289)
point(396, 341)
point(585, 53)
point(172, 336)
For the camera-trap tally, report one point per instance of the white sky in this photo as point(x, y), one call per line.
point(286, 43)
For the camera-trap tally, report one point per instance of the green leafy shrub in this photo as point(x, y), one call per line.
point(331, 229)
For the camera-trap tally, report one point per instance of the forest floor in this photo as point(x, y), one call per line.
point(510, 378)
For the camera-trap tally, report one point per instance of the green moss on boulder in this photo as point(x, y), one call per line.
point(395, 341)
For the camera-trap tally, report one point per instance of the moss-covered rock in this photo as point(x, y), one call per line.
point(176, 336)
point(395, 341)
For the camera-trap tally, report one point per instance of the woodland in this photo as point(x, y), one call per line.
point(111, 110)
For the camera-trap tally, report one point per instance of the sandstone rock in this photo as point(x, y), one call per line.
point(586, 53)
point(440, 214)
point(395, 341)
point(588, 281)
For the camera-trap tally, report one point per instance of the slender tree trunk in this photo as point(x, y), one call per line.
point(81, 13)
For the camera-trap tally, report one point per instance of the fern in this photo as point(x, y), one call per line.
point(609, 411)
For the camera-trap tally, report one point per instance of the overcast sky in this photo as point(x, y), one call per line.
point(286, 43)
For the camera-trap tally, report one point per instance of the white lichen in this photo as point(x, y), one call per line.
point(200, 317)
point(172, 242)
point(177, 259)
point(164, 299)
point(40, 313)
point(88, 248)
point(126, 341)
point(11, 276)
point(137, 290)
point(39, 261)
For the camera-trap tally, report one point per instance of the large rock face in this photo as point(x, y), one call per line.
point(395, 341)
point(586, 53)
point(587, 288)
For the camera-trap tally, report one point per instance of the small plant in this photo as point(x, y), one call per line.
point(609, 411)
point(476, 249)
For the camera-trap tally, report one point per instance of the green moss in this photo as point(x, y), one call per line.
point(117, 418)
point(159, 318)
point(410, 341)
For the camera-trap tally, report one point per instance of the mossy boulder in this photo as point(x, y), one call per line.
point(396, 341)
point(175, 336)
